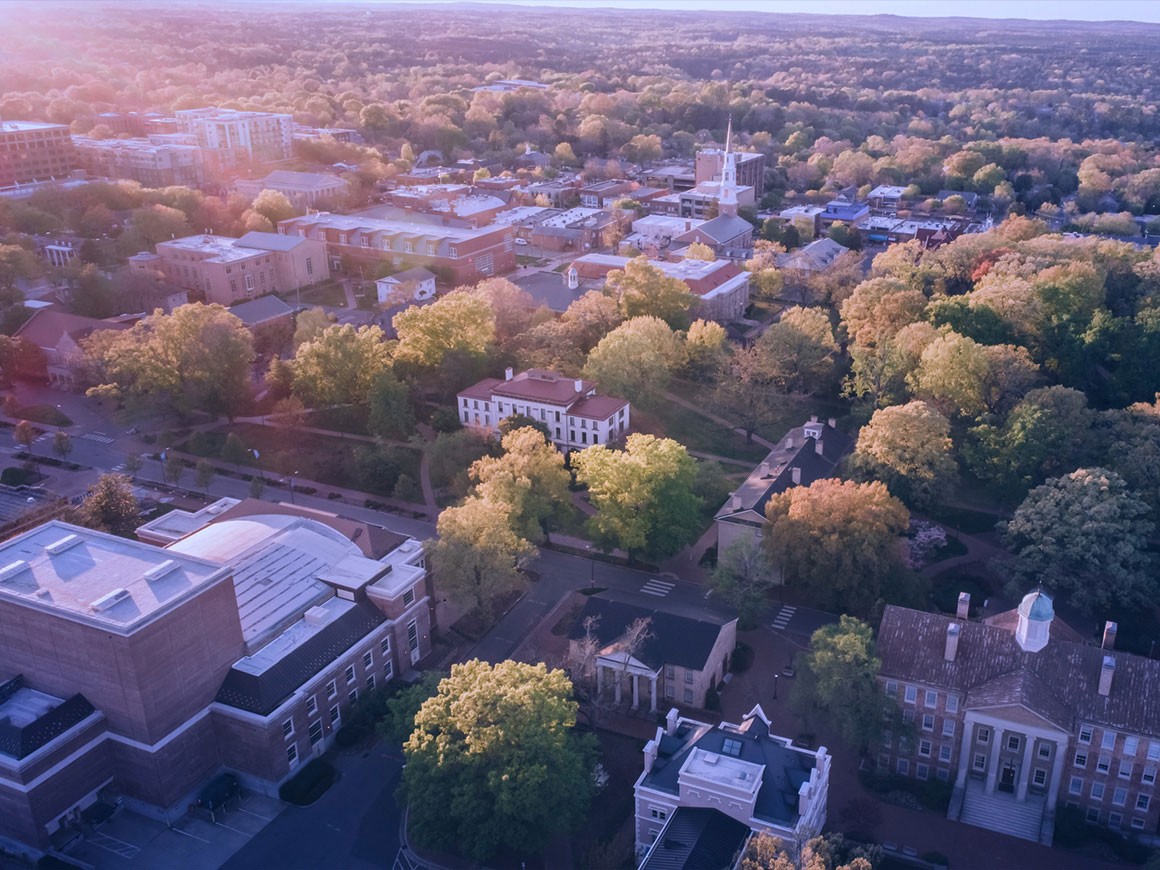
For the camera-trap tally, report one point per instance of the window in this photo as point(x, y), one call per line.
point(979, 762)
point(983, 735)
point(688, 675)
point(948, 727)
point(1115, 820)
point(943, 774)
point(1044, 750)
point(924, 748)
point(931, 699)
point(658, 814)
point(907, 715)
point(952, 703)
point(1142, 801)
point(353, 696)
point(731, 747)
point(1137, 824)
point(288, 728)
point(670, 692)
point(368, 659)
point(1093, 815)
point(370, 682)
point(1109, 740)
point(1120, 797)
point(1085, 734)
point(311, 706)
point(1076, 785)
point(409, 597)
point(1080, 759)
point(1131, 744)
point(911, 694)
point(1039, 776)
point(1104, 764)
point(315, 731)
point(668, 672)
point(292, 754)
point(385, 645)
point(1148, 777)
point(1012, 743)
point(388, 670)
point(903, 766)
point(921, 771)
point(413, 635)
point(1097, 791)
point(928, 722)
point(883, 761)
point(349, 674)
point(688, 696)
point(944, 752)
point(335, 714)
point(249, 282)
point(1154, 751)
point(331, 689)
point(1126, 769)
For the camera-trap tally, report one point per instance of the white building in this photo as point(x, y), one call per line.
point(569, 407)
point(743, 772)
point(231, 137)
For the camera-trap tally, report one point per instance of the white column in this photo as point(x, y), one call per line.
point(1025, 769)
point(997, 735)
point(635, 691)
point(652, 693)
point(1056, 783)
point(619, 680)
point(965, 759)
point(599, 679)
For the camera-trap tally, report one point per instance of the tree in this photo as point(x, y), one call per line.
point(195, 359)
point(829, 852)
point(511, 306)
point(310, 324)
point(745, 392)
point(1086, 535)
point(234, 450)
point(158, 223)
point(643, 290)
point(706, 344)
point(478, 557)
point(743, 578)
point(530, 479)
point(390, 412)
point(399, 722)
point(274, 206)
point(645, 495)
point(952, 373)
point(837, 541)
point(700, 251)
point(494, 761)
point(837, 682)
point(458, 321)
point(203, 474)
point(133, 463)
point(879, 308)
point(24, 433)
point(172, 468)
point(341, 365)
point(636, 359)
point(797, 353)
point(111, 507)
point(512, 422)
point(15, 262)
point(257, 486)
point(61, 445)
point(908, 447)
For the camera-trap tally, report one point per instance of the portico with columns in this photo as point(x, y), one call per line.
point(616, 669)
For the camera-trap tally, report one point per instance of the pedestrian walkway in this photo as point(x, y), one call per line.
point(98, 437)
point(720, 421)
point(657, 587)
point(784, 615)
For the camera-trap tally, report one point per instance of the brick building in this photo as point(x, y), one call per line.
point(34, 151)
point(153, 165)
point(1021, 714)
point(231, 137)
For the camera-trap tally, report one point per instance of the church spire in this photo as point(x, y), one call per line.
point(727, 203)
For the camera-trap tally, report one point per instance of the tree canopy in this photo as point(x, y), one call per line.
point(111, 507)
point(340, 365)
point(908, 447)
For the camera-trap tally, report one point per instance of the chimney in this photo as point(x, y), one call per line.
point(813, 418)
point(765, 469)
point(952, 647)
point(797, 475)
point(788, 441)
point(964, 609)
point(804, 793)
point(818, 447)
point(650, 755)
point(508, 373)
point(1109, 635)
point(833, 422)
point(820, 756)
point(1107, 671)
point(671, 721)
point(734, 502)
point(579, 385)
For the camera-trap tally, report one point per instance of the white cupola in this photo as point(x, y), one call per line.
point(1035, 615)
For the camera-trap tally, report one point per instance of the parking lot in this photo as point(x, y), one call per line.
point(193, 842)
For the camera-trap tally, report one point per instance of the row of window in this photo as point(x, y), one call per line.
point(1120, 795)
point(1124, 771)
point(921, 770)
point(368, 659)
point(1115, 820)
point(1131, 745)
point(930, 696)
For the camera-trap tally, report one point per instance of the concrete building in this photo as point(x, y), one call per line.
point(806, 453)
point(1020, 713)
point(231, 137)
point(460, 255)
point(153, 165)
point(721, 286)
point(134, 673)
point(303, 189)
point(718, 784)
point(575, 415)
point(35, 151)
point(226, 270)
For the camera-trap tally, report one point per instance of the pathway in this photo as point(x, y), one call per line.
point(720, 421)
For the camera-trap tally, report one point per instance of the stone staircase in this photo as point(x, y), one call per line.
point(1001, 812)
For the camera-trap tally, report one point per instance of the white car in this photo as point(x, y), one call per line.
point(522, 242)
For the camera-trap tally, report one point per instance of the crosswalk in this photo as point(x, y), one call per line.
point(781, 621)
point(99, 437)
point(657, 587)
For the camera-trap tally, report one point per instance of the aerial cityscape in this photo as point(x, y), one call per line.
point(547, 435)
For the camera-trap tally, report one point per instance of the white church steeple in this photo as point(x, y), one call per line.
point(727, 203)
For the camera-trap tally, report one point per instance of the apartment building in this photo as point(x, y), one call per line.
point(232, 137)
point(575, 415)
point(1020, 714)
point(132, 672)
point(303, 189)
point(153, 165)
point(34, 151)
point(460, 255)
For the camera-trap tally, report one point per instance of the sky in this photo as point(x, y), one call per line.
point(1076, 10)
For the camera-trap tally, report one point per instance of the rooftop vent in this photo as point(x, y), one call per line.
point(12, 569)
point(58, 547)
point(158, 571)
point(710, 758)
point(110, 600)
point(315, 616)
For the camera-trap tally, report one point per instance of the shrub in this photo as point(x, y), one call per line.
point(445, 420)
point(309, 784)
point(16, 476)
point(742, 658)
point(712, 700)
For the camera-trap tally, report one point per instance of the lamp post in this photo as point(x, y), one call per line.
point(161, 457)
point(290, 480)
point(775, 676)
point(258, 459)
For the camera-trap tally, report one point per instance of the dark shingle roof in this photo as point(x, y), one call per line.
point(262, 693)
point(21, 741)
point(697, 839)
point(1060, 682)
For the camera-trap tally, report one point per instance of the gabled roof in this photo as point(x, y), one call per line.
point(1060, 682)
point(696, 838)
point(260, 310)
point(725, 228)
point(417, 274)
point(269, 241)
point(48, 326)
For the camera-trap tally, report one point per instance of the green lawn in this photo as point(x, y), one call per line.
point(323, 293)
point(49, 415)
point(696, 432)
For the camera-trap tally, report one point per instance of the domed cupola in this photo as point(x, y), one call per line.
point(1035, 614)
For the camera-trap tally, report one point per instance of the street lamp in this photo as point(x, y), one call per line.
point(258, 459)
point(775, 676)
point(290, 480)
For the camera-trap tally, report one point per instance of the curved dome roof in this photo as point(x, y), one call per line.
point(1037, 606)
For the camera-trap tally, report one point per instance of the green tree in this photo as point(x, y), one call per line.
point(235, 451)
point(635, 360)
point(908, 447)
point(111, 507)
point(390, 412)
point(837, 541)
point(798, 352)
point(644, 495)
point(706, 347)
point(158, 223)
point(399, 722)
point(494, 761)
point(643, 290)
point(61, 445)
point(341, 365)
point(203, 474)
point(743, 579)
point(172, 468)
point(24, 433)
point(477, 557)
point(512, 422)
point(257, 486)
point(195, 359)
point(700, 251)
point(530, 479)
point(309, 325)
point(458, 322)
point(133, 463)
point(16, 262)
point(274, 206)
point(1085, 535)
